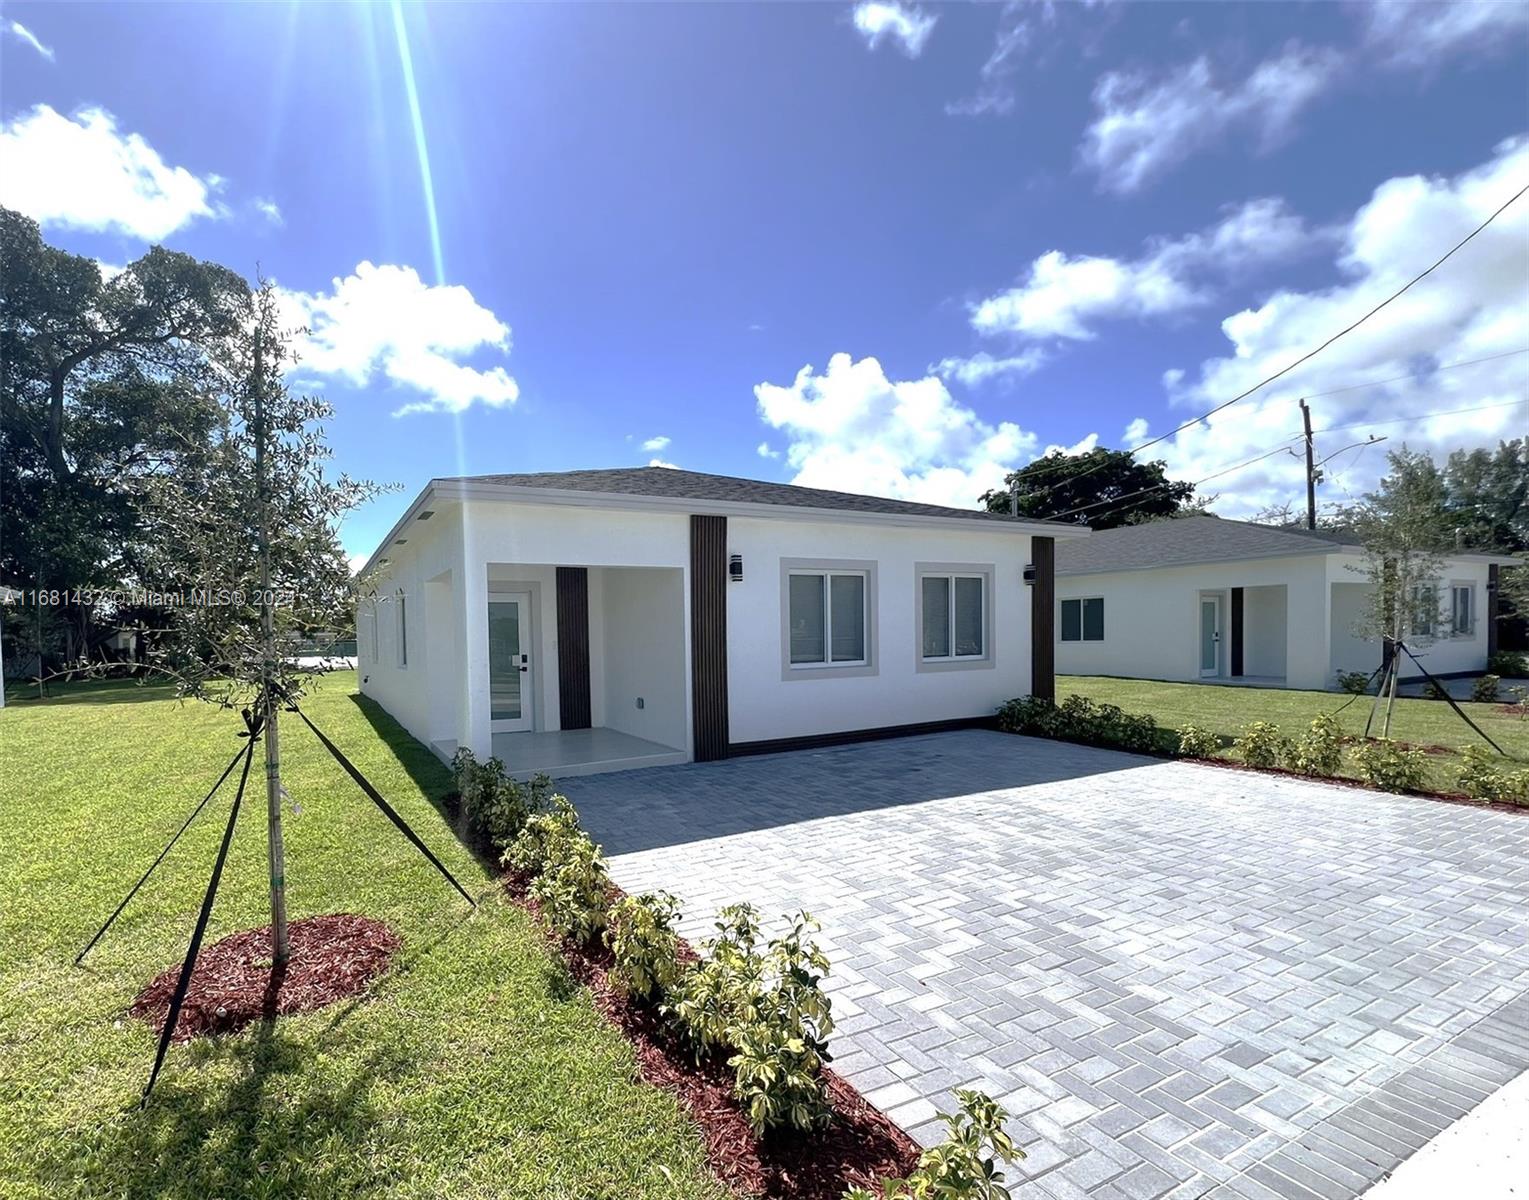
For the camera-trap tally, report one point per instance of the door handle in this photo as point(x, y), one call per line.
point(524, 669)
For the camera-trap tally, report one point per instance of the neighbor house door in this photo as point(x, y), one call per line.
point(511, 668)
point(1210, 635)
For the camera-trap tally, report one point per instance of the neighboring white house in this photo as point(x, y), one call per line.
point(592, 620)
point(1202, 598)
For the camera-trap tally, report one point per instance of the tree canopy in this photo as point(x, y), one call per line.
point(1102, 489)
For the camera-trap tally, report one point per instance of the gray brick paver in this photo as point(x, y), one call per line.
point(1179, 974)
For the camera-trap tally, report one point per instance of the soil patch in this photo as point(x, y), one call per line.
point(861, 1145)
point(333, 957)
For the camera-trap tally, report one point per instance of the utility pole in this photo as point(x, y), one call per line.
point(275, 851)
point(1311, 469)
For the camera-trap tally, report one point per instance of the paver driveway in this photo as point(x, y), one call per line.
point(1182, 980)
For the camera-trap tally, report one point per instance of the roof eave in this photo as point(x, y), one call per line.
point(470, 489)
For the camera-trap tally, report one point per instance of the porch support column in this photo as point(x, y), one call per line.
point(1494, 610)
point(1237, 634)
point(573, 698)
point(476, 734)
point(708, 637)
point(1043, 619)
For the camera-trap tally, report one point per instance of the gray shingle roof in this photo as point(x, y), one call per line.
point(1188, 540)
point(673, 484)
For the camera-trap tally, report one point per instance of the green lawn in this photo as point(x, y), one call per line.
point(1225, 710)
point(474, 1069)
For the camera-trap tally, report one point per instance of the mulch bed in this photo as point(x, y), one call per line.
point(333, 957)
point(861, 1145)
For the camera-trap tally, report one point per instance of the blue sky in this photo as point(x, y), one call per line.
point(886, 248)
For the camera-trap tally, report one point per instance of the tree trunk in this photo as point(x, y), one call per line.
point(275, 850)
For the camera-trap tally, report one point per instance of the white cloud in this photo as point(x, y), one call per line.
point(1082, 446)
point(1136, 432)
point(1063, 296)
point(1143, 126)
point(852, 429)
point(983, 367)
point(1473, 307)
point(764, 450)
point(656, 443)
point(1418, 34)
point(385, 322)
point(269, 209)
point(658, 462)
point(83, 173)
point(22, 34)
point(995, 92)
point(905, 24)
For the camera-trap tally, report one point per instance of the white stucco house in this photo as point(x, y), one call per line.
point(1202, 598)
point(598, 620)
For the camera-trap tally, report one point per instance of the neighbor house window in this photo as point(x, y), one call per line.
point(1083, 619)
point(403, 630)
point(1462, 609)
point(370, 616)
point(827, 618)
point(954, 617)
point(1425, 610)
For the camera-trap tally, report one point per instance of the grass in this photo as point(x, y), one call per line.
point(1225, 710)
point(474, 1069)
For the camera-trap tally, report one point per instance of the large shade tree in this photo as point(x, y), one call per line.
point(1102, 489)
point(106, 379)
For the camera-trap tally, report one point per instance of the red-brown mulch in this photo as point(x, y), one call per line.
point(332, 957)
point(860, 1145)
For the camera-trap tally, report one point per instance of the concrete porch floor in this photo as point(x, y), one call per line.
point(569, 752)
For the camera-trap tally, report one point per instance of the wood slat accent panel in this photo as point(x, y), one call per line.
point(1043, 618)
point(1236, 667)
point(708, 636)
point(573, 647)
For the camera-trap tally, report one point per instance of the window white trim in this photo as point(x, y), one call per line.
point(954, 662)
point(1457, 587)
point(828, 669)
point(1425, 615)
point(1082, 637)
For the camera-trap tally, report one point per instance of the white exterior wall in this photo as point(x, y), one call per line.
point(764, 706)
point(1443, 654)
point(1265, 631)
point(642, 653)
point(428, 569)
point(1152, 619)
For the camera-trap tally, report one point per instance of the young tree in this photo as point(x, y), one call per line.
point(1405, 532)
point(253, 518)
point(1102, 489)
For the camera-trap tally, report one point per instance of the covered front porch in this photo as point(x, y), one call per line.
point(584, 667)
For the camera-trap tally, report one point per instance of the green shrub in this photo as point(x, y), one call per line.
point(574, 888)
point(1484, 690)
point(1480, 775)
point(1434, 691)
point(1355, 683)
point(1318, 751)
point(962, 1167)
point(1510, 664)
point(1195, 742)
point(778, 1064)
point(1385, 764)
point(769, 1010)
point(536, 843)
point(1261, 744)
point(1520, 702)
point(640, 934)
point(1079, 719)
point(494, 804)
point(722, 991)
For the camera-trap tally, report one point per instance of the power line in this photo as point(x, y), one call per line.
point(1470, 362)
point(1282, 448)
point(1310, 354)
point(1443, 412)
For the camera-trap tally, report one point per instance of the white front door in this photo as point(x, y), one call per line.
point(1210, 635)
point(511, 668)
